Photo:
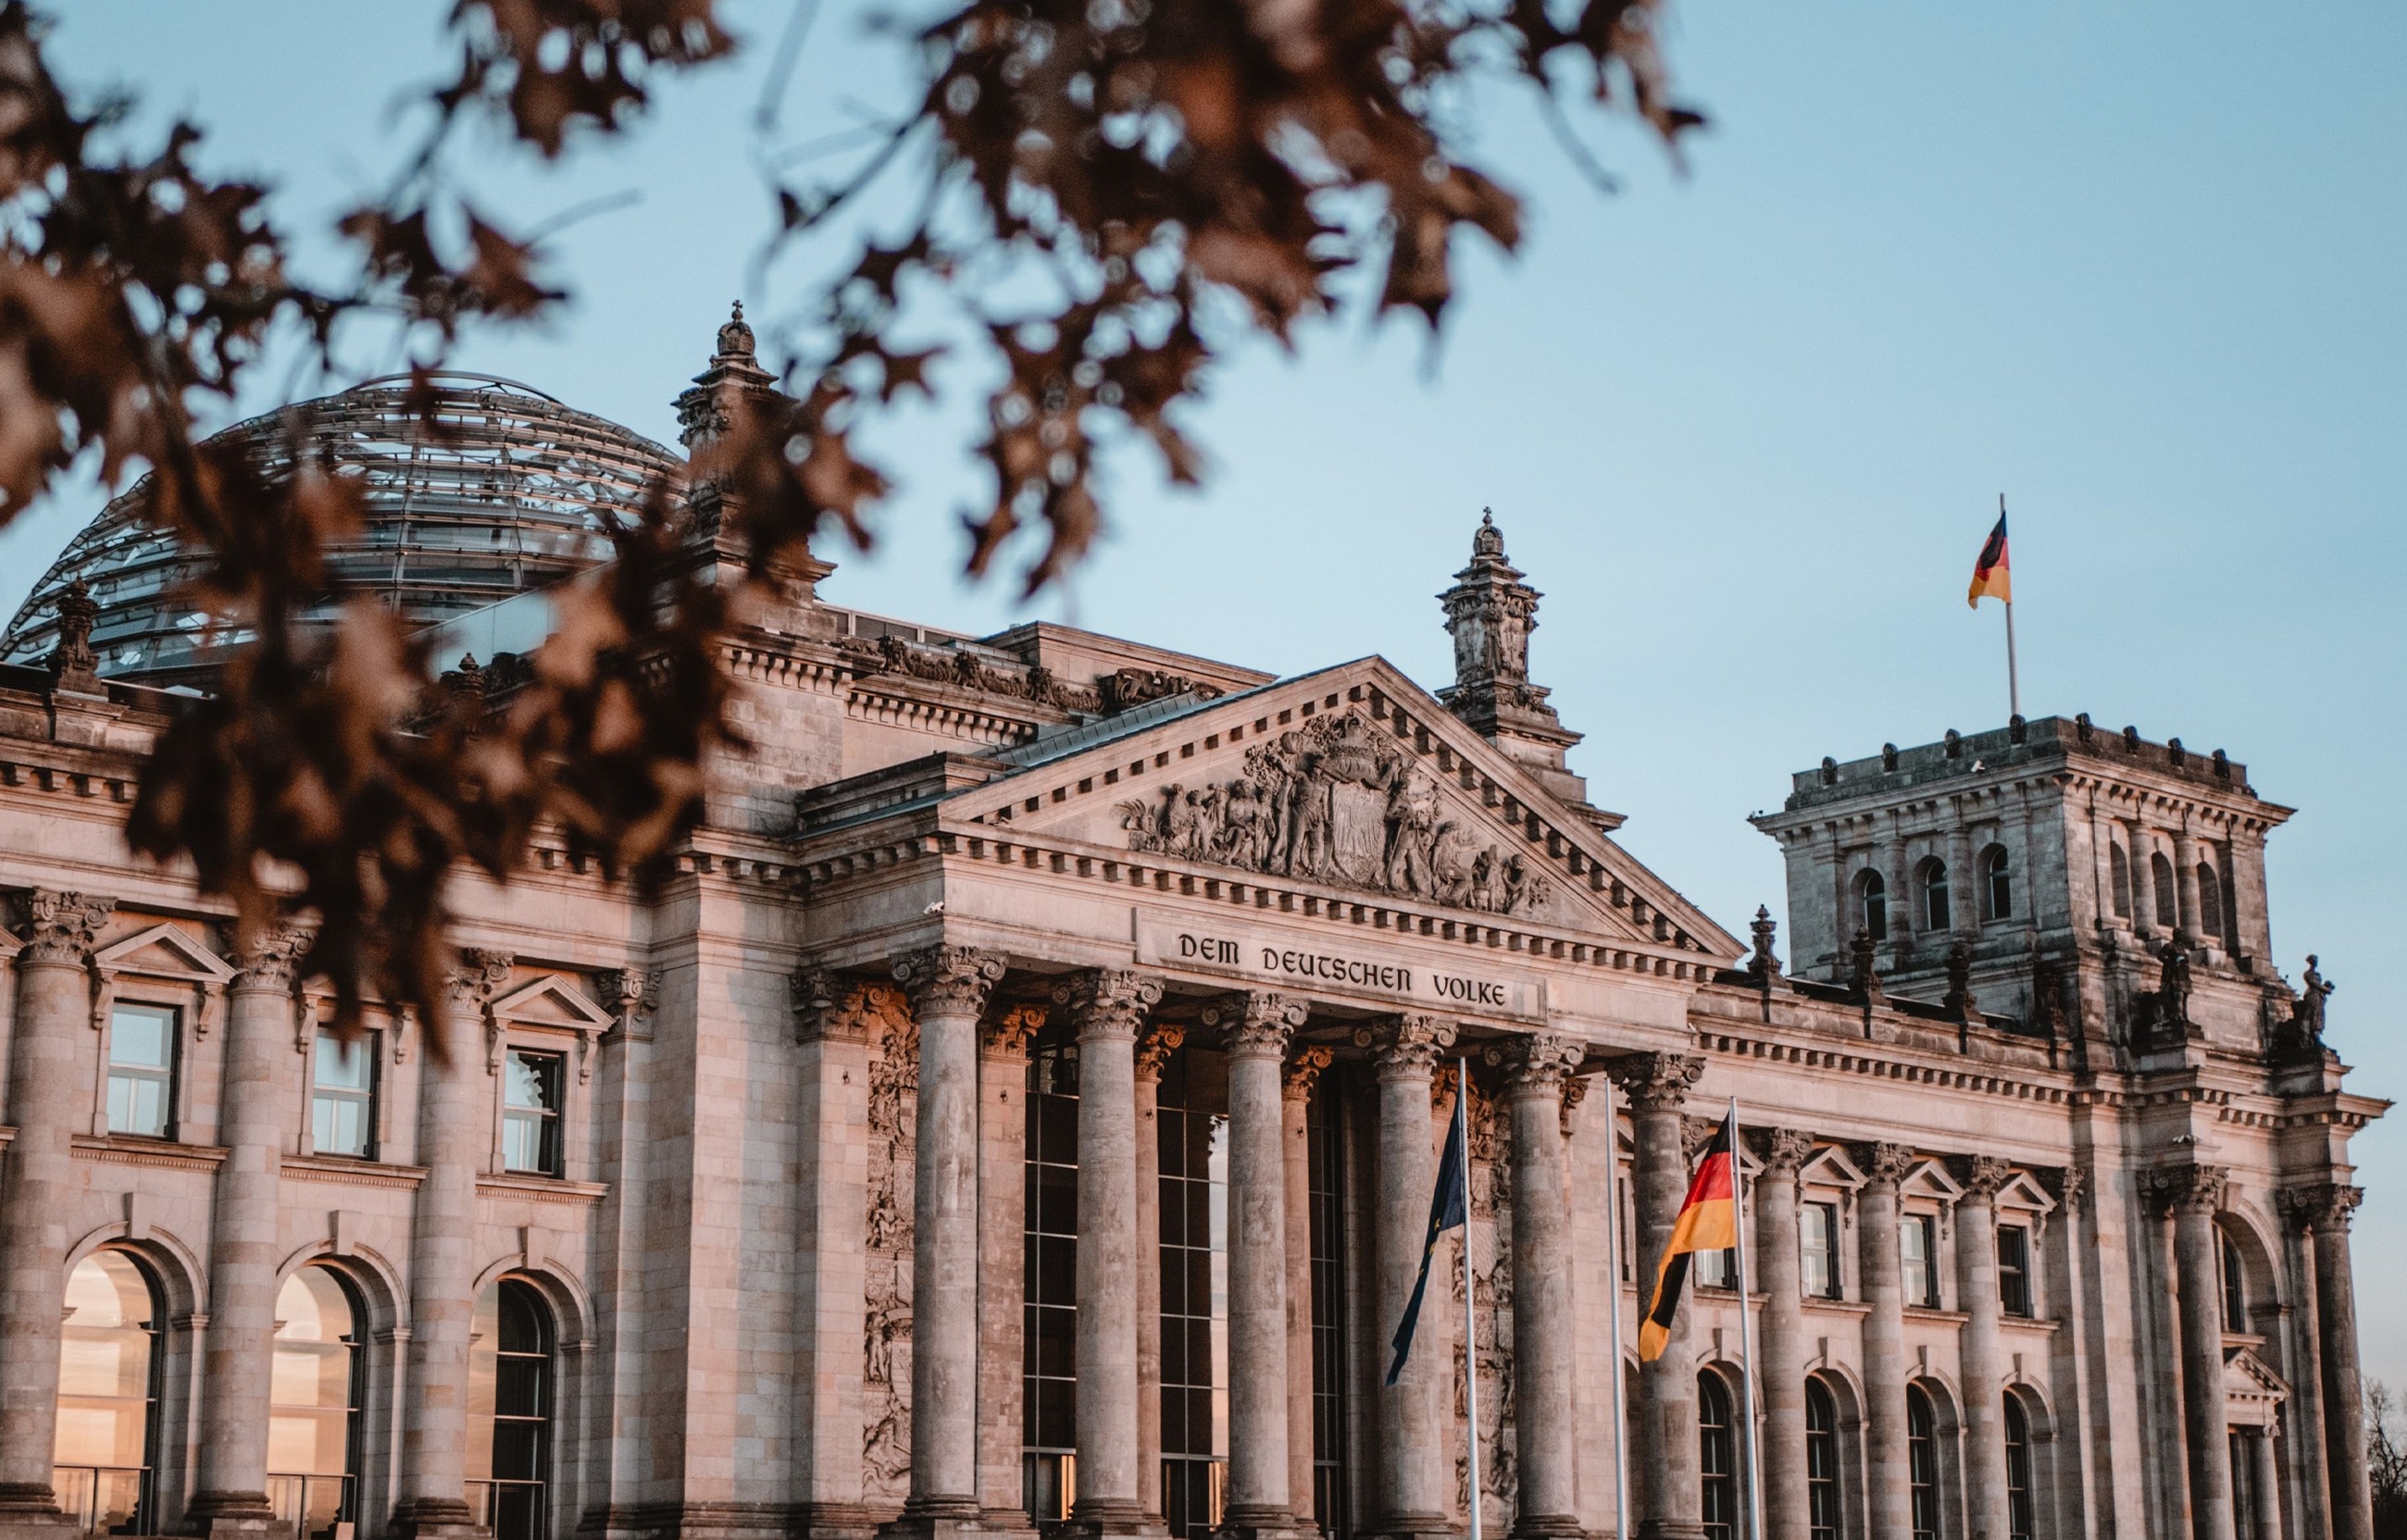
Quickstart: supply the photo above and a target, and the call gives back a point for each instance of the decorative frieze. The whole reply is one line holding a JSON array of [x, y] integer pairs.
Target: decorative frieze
[[1337, 802]]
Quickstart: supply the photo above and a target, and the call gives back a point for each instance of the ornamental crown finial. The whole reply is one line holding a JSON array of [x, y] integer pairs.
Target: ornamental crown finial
[[1489, 540], [735, 338]]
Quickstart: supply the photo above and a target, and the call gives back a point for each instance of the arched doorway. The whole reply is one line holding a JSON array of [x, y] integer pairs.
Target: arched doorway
[[107, 1446], [512, 1381], [313, 1420]]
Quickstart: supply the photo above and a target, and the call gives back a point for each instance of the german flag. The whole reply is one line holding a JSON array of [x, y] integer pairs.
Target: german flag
[[1708, 1221], [1993, 577]]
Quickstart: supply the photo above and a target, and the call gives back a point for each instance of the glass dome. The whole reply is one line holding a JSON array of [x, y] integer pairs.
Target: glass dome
[[506, 493]]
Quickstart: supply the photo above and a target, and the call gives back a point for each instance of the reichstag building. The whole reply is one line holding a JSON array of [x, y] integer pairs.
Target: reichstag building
[[1019, 1112]]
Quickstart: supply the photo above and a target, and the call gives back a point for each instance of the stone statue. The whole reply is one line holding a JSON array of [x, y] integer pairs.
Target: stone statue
[[2172, 988], [2313, 992]]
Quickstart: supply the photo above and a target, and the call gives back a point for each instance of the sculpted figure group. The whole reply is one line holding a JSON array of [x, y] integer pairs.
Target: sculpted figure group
[[1333, 803]]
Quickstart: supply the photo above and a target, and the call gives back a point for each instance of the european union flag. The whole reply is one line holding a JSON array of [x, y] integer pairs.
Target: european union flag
[[1445, 1213]]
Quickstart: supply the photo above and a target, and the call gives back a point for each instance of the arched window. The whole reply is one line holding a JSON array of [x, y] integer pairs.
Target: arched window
[[107, 1446], [1822, 1495], [1717, 1457], [2020, 1511], [1996, 885], [313, 1419], [1934, 895], [1871, 904], [2210, 902], [510, 1387], [1922, 1461], [2168, 895], [2119, 870], [2235, 1287]]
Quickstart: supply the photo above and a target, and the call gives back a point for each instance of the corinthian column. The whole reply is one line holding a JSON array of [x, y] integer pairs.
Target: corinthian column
[[1002, 1240], [1260, 1495], [947, 986], [1295, 1107], [1777, 1270], [2194, 1193], [454, 1135], [263, 1029], [53, 1016], [1546, 1329], [2325, 1212], [1976, 1273], [1890, 1506], [1414, 1460], [1108, 1008], [1665, 1430]]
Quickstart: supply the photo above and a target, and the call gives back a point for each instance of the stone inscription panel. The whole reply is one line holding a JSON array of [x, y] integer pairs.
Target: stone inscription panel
[[1286, 961]]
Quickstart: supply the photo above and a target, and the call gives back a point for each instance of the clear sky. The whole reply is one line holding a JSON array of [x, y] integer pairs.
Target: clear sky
[[2138, 266]]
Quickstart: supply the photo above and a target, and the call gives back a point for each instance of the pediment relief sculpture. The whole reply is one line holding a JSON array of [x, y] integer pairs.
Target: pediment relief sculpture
[[1336, 802]]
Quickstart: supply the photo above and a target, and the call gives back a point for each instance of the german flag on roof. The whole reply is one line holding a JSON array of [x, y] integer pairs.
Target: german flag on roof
[[1708, 1221], [1993, 577]]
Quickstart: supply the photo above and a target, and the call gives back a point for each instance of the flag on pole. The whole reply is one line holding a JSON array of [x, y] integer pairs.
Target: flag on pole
[[1708, 1221], [1993, 577], [1445, 1213]]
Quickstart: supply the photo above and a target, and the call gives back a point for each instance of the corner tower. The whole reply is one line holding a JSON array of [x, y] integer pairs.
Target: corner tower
[[1489, 611], [2079, 880]]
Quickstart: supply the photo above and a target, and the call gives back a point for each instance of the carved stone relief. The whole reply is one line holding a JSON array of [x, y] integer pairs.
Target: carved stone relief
[[893, 1036], [1337, 802], [1489, 1236]]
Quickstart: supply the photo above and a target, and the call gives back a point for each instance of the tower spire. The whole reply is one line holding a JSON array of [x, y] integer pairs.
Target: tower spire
[[1491, 613]]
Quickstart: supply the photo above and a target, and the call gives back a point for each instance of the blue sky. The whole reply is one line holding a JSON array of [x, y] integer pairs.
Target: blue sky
[[2134, 265]]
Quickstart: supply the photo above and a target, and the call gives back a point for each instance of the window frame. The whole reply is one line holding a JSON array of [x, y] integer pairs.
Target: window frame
[[1996, 872], [2118, 880], [2022, 1497], [169, 1078], [2020, 1300], [1938, 898], [1926, 1227], [556, 1117], [1825, 1467], [2210, 908], [369, 1098], [2164, 886], [1717, 1437], [1924, 1469], [1834, 1283], [1872, 903]]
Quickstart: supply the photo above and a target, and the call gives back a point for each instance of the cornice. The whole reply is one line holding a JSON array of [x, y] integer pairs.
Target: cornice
[[1869, 1061], [333, 1171], [159, 1154], [541, 1189]]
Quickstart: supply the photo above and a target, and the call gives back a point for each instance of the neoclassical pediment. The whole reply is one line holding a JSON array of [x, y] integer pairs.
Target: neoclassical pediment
[[2253, 1393], [1930, 1179], [1352, 779], [554, 1002], [2024, 1193], [1830, 1167], [164, 951]]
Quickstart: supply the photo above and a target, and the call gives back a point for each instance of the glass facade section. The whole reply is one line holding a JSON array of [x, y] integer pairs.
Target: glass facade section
[[509, 1411], [1194, 1151], [108, 1443], [313, 1420]]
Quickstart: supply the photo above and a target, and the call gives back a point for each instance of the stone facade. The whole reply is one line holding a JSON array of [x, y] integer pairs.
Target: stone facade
[[1020, 1105]]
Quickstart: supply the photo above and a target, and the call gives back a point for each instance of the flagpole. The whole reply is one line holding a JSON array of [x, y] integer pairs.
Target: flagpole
[[1745, 1336], [1469, 1321], [2014, 685], [1613, 1296]]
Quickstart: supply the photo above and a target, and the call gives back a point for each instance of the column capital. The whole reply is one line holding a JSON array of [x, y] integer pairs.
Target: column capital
[[2196, 1188], [947, 979], [1110, 1002], [1535, 1066], [2325, 1206], [1159, 1041], [1983, 1176], [1886, 1164], [1575, 1092], [1262, 1023], [63, 928], [1304, 1071], [477, 977], [1656, 1082], [272, 959], [1407, 1046], [1008, 1032], [1783, 1152], [2072, 1185], [636, 991]]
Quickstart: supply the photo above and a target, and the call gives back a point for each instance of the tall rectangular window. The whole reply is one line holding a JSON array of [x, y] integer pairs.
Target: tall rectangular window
[[1194, 1147], [531, 1113], [1817, 1250], [1917, 1246], [342, 1095], [2014, 1270], [1049, 1450], [1325, 1136], [141, 1070]]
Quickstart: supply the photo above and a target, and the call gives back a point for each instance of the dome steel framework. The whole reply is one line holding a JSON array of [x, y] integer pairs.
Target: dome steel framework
[[510, 491]]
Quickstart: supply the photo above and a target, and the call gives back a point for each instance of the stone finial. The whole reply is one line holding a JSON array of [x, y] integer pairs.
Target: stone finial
[[1889, 757], [1765, 962], [1955, 744], [705, 408], [948, 980], [1303, 1071], [1656, 1082], [63, 928], [73, 665], [2018, 730], [1960, 998], [1863, 970], [1489, 611], [734, 338]]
